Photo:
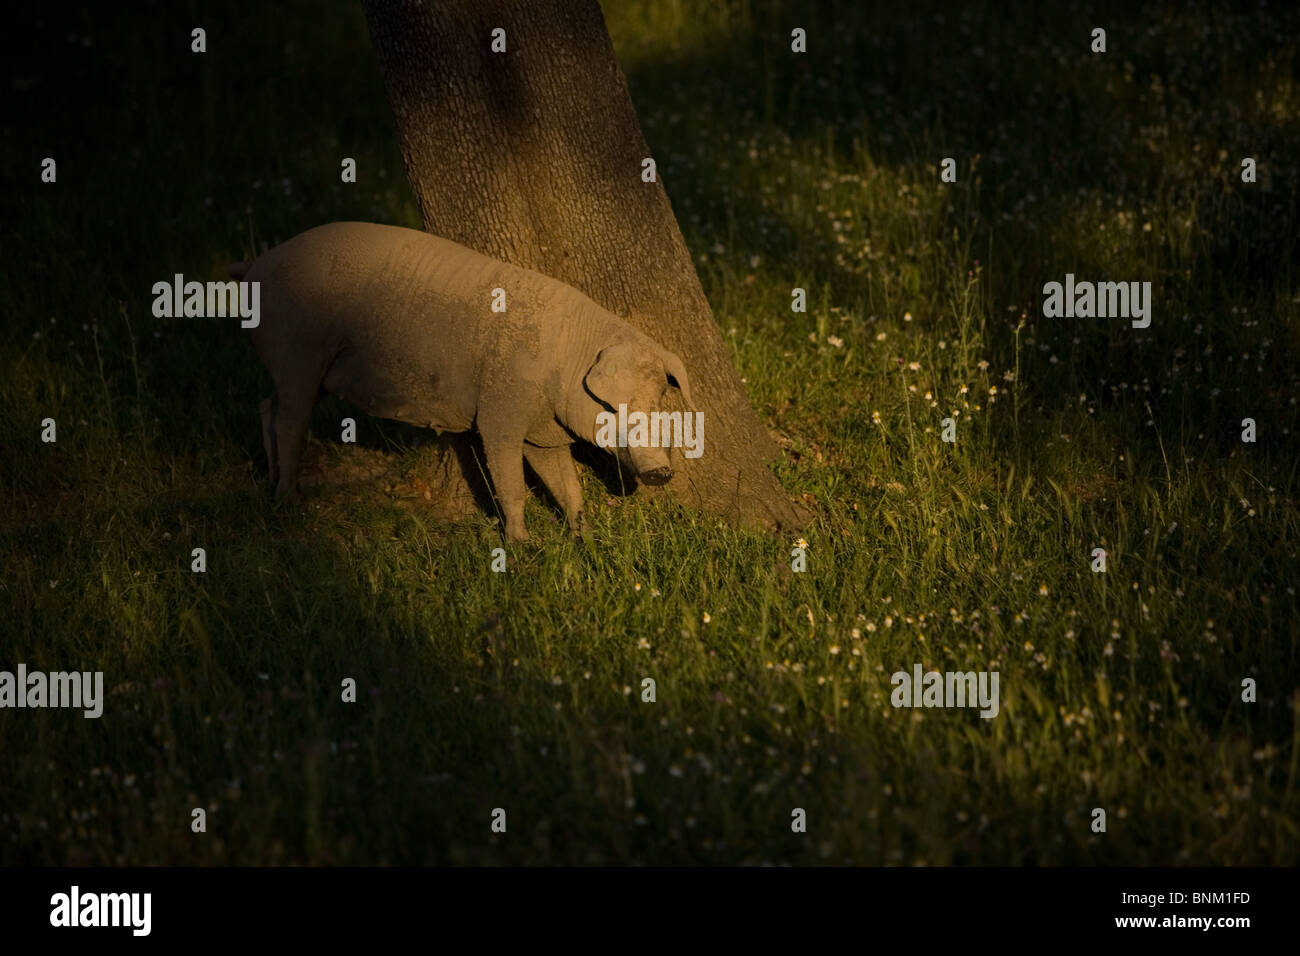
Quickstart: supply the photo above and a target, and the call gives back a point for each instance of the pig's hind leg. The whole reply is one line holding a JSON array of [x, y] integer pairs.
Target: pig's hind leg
[[268, 440], [296, 394]]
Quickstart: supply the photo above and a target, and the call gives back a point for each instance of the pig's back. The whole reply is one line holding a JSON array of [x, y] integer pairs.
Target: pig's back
[[396, 279], [401, 319]]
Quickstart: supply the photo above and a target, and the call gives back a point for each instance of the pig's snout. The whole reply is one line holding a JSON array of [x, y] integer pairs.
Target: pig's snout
[[650, 465], [656, 476]]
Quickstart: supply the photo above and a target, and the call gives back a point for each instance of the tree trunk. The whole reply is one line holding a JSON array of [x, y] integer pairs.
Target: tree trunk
[[534, 156]]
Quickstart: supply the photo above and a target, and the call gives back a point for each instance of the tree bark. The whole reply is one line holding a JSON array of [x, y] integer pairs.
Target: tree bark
[[534, 156]]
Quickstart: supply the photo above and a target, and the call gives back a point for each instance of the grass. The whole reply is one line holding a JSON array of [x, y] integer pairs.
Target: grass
[[523, 690]]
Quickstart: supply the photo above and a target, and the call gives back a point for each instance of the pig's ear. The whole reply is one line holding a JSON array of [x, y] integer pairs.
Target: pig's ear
[[612, 379], [678, 372]]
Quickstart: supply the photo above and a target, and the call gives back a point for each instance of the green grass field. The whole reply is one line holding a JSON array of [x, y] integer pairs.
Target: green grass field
[[522, 691]]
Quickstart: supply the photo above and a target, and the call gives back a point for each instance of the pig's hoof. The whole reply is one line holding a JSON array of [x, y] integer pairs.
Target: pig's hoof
[[656, 476]]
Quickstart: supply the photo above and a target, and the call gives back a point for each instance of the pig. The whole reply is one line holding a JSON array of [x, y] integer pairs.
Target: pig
[[400, 323]]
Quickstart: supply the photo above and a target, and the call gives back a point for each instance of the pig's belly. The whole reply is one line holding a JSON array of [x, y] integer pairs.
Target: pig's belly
[[387, 386]]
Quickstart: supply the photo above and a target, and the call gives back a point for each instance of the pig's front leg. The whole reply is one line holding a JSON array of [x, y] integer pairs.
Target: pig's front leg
[[555, 467], [505, 461]]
